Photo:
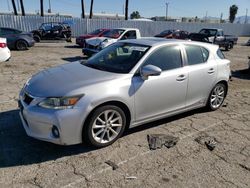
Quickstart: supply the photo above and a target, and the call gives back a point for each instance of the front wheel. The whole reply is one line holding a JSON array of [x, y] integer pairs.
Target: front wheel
[[21, 45], [216, 97], [37, 38], [105, 126]]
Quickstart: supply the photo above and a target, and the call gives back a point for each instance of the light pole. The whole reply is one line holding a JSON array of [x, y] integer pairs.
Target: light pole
[[49, 11], [167, 11], [246, 16]]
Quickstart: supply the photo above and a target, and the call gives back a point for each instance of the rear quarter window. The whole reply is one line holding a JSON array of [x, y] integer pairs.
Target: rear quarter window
[[196, 54], [220, 54]]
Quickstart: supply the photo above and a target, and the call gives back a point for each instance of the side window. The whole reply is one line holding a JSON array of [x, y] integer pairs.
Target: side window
[[129, 35], [219, 33], [166, 58], [194, 55], [56, 27]]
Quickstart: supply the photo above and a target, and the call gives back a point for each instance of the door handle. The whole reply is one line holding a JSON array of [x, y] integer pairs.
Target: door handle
[[181, 77], [211, 71]]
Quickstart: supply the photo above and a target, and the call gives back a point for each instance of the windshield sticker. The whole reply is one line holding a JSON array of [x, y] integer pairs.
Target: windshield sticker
[[138, 48]]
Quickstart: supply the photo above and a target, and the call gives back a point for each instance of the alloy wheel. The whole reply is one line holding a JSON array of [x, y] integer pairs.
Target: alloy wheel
[[217, 96], [107, 126]]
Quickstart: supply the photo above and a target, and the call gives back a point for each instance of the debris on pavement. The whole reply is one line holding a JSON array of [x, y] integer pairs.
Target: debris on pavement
[[225, 105], [131, 177], [208, 141], [112, 164], [156, 141]]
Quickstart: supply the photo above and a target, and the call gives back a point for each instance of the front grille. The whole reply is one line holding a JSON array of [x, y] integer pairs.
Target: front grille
[[27, 99]]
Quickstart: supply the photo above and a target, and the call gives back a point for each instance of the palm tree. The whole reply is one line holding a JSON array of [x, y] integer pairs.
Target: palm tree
[[41, 7], [232, 12], [91, 9], [22, 8], [126, 10], [14, 7], [83, 12]]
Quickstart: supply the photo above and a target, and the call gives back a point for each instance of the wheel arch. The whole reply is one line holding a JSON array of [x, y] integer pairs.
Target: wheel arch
[[225, 83], [117, 103]]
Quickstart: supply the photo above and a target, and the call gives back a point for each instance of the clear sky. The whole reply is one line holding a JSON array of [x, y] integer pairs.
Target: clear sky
[[146, 8]]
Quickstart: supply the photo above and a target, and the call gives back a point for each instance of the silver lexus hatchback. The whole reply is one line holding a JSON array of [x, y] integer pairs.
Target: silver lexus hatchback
[[129, 83]]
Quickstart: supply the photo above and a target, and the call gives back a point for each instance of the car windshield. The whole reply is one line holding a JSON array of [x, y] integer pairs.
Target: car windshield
[[117, 58], [46, 26], [96, 32], [208, 32], [114, 33]]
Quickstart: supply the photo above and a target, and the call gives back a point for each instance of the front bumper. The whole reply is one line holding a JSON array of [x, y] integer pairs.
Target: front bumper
[[38, 122], [31, 43], [89, 52], [80, 42]]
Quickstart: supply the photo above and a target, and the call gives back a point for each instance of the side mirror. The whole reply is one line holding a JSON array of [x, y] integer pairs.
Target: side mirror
[[150, 70]]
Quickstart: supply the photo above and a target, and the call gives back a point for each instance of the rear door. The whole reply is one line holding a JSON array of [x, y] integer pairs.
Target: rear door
[[202, 69]]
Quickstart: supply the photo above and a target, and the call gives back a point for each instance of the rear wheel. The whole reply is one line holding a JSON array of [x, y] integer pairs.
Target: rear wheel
[[105, 126], [21, 45], [216, 97]]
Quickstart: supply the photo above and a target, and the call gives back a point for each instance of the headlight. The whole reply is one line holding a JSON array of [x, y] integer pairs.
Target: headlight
[[60, 102]]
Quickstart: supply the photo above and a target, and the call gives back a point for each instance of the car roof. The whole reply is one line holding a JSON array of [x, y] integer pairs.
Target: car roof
[[212, 28], [154, 41], [125, 28]]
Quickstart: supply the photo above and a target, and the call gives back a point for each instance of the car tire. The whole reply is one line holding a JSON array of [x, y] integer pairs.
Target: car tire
[[231, 45], [227, 47], [216, 97], [104, 126], [37, 38], [21, 45]]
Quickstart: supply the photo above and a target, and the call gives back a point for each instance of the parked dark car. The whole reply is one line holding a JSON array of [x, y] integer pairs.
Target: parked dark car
[[175, 34], [215, 36], [16, 39], [52, 31], [96, 33], [248, 43]]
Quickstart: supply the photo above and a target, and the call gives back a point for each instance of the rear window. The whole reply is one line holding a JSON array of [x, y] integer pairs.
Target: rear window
[[205, 54], [220, 54]]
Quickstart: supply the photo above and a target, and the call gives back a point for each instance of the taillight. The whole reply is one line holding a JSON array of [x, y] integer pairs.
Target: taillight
[[3, 45]]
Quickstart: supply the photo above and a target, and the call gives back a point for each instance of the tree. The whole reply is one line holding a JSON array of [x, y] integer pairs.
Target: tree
[[14, 7], [232, 12], [126, 10], [83, 11], [91, 9], [22, 8], [41, 7], [135, 15]]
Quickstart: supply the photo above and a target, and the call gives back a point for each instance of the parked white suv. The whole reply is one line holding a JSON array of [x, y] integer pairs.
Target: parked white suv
[[4, 50]]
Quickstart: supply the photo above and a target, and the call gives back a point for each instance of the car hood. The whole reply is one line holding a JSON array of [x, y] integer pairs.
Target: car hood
[[97, 40], [64, 80]]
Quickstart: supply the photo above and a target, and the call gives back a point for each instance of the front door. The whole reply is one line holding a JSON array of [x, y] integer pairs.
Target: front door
[[165, 93]]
